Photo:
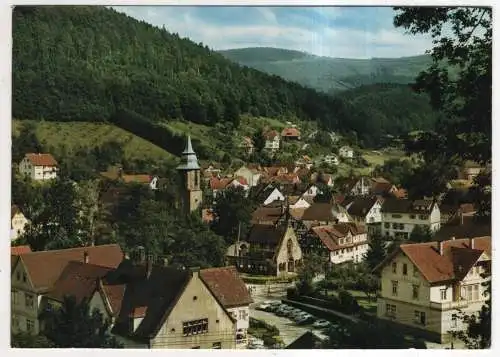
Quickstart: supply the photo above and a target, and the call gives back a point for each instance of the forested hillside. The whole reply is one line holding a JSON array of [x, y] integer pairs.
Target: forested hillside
[[387, 109], [90, 63], [84, 63], [326, 73]]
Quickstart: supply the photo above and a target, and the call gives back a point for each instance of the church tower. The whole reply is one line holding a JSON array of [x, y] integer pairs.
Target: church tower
[[190, 172]]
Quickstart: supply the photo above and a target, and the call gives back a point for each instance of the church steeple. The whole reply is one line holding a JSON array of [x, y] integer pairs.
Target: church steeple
[[190, 171], [189, 159]]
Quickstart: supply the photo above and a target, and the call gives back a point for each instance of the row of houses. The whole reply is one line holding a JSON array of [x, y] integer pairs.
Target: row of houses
[[150, 305]]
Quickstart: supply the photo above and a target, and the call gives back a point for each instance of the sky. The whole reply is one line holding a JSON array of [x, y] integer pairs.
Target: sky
[[347, 32]]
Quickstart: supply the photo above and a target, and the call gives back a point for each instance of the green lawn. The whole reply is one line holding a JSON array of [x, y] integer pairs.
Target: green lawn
[[75, 135]]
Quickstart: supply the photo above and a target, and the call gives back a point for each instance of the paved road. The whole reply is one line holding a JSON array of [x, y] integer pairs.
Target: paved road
[[289, 331]]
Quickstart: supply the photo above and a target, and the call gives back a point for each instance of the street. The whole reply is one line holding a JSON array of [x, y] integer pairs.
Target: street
[[289, 331]]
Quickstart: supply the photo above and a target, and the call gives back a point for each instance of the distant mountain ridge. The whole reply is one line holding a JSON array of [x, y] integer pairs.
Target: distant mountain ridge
[[329, 74]]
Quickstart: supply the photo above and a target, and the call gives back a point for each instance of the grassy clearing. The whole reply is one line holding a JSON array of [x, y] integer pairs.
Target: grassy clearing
[[75, 135], [375, 158]]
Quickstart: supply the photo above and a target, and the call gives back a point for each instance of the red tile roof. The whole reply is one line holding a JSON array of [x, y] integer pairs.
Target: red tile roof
[[290, 132], [139, 178], [54, 261], [41, 159], [242, 181], [455, 262], [79, 280], [227, 286], [219, 184], [329, 235], [269, 135], [20, 249]]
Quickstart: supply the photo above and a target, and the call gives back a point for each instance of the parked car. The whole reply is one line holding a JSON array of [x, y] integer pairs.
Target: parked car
[[292, 312], [283, 310], [262, 307], [301, 316], [322, 324], [255, 343], [305, 320]]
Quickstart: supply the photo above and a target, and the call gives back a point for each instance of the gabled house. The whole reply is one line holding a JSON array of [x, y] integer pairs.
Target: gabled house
[[30, 282], [304, 161], [324, 214], [272, 138], [290, 134], [381, 187], [18, 223], [230, 290], [425, 285], [346, 152], [401, 216], [38, 166], [331, 159], [366, 211], [272, 171], [449, 211], [323, 178], [251, 173], [247, 145], [470, 170], [463, 225], [269, 250], [311, 192], [273, 194], [338, 243], [165, 307], [301, 202], [116, 173]]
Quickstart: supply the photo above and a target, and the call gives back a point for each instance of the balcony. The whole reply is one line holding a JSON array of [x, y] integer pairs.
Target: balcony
[[449, 305]]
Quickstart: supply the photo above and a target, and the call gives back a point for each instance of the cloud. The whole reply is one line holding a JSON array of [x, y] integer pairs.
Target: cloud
[[349, 32]]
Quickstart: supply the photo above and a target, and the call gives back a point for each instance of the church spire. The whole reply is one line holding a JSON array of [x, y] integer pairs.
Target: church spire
[[189, 159]]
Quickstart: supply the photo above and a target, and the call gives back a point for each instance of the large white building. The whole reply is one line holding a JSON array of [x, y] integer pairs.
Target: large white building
[[38, 166], [425, 285], [401, 216]]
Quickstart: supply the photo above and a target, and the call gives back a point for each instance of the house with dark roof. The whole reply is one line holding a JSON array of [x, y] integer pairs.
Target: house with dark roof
[[34, 274], [366, 211], [381, 187], [115, 173], [39, 166], [401, 216], [463, 225], [18, 222], [424, 285], [337, 243], [324, 213], [269, 250], [165, 307]]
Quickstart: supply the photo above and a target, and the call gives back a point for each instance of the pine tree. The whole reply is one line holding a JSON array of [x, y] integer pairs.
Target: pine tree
[[376, 251]]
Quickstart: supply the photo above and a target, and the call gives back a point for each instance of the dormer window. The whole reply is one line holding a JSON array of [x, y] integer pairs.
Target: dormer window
[[394, 267]]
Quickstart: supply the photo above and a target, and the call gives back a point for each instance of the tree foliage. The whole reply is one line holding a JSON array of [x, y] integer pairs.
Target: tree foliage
[[421, 234], [376, 251], [73, 325]]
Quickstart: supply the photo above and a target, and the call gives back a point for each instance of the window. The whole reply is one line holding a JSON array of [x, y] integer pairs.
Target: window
[[24, 277], [243, 315], [412, 216], [395, 226], [387, 225], [390, 310], [415, 272], [18, 276], [415, 292], [443, 294], [29, 301], [195, 327], [13, 297], [30, 325], [405, 269], [216, 345], [423, 217], [394, 267], [475, 292], [394, 288], [396, 216], [419, 317]]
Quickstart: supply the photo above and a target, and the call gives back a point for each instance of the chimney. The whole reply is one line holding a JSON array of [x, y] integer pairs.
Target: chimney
[[85, 257], [441, 246], [471, 245]]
